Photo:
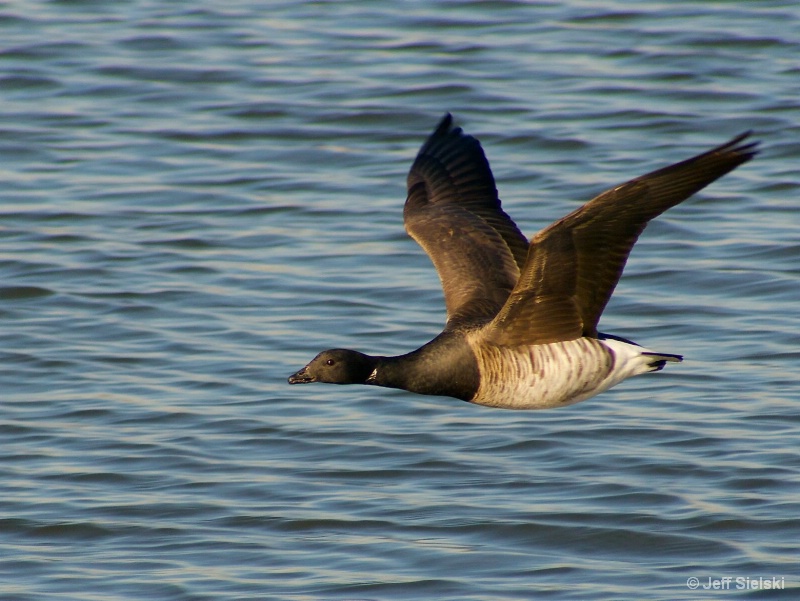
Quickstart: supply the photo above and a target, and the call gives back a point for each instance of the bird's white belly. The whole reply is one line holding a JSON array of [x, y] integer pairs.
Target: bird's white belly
[[555, 374]]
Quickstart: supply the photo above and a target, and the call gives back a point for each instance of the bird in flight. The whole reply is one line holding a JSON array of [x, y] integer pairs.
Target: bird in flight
[[521, 329]]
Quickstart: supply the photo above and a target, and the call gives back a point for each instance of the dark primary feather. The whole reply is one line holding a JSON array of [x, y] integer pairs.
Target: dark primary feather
[[453, 212], [573, 265]]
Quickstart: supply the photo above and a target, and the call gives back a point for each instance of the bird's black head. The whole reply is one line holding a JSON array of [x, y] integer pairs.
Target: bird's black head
[[336, 366]]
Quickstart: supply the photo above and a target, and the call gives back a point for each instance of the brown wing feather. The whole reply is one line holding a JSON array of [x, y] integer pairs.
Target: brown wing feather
[[574, 264], [453, 212]]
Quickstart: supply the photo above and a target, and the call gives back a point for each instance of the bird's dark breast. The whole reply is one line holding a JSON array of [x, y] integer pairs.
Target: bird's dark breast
[[446, 366]]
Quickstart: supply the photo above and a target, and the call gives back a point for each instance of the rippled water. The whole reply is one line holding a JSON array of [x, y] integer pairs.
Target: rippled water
[[200, 196]]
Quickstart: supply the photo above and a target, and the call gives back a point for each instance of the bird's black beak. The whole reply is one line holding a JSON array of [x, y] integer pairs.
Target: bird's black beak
[[301, 377]]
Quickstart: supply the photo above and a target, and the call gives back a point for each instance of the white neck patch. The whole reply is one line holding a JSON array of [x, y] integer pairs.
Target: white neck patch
[[372, 376]]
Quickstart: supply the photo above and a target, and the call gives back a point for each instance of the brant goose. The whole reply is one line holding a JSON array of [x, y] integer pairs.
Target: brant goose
[[521, 329]]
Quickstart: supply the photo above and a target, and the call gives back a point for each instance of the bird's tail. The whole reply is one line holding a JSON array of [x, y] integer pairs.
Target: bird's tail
[[659, 360]]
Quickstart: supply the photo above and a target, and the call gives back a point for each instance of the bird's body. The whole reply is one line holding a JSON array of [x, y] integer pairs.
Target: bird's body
[[559, 373], [521, 329]]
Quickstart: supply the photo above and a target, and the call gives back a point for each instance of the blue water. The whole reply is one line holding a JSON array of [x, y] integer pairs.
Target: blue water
[[198, 197]]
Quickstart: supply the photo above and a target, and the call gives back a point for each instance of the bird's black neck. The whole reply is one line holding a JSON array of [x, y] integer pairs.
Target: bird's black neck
[[445, 366]]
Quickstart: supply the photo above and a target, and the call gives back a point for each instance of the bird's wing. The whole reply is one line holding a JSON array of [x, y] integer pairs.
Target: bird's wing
[[454, 214], [574, 264]]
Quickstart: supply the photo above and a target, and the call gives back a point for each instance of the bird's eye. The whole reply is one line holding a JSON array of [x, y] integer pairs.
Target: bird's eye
[[330, 362]]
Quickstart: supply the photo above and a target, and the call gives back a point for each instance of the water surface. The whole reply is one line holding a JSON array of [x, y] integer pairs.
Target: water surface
[[200, 196]]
